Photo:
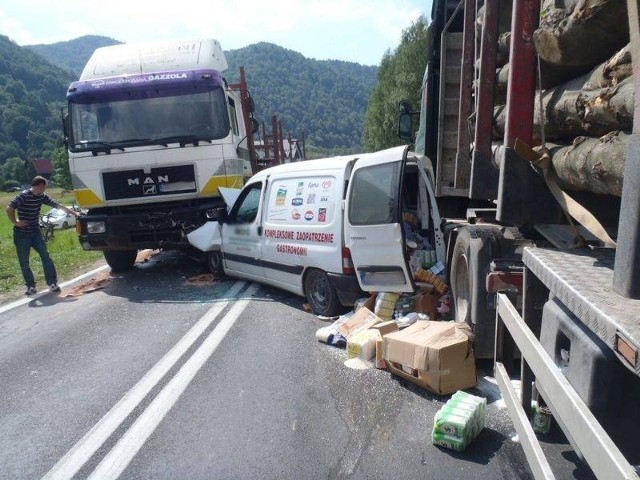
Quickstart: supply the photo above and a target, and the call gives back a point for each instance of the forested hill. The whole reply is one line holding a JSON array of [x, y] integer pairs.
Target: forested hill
[[31, 94], [325, 98], [73, 54]]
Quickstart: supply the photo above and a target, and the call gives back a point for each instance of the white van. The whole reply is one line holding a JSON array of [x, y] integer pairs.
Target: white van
[[328, 229]]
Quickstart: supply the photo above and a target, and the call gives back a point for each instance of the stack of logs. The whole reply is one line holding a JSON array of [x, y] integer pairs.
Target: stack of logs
[[587, 89]]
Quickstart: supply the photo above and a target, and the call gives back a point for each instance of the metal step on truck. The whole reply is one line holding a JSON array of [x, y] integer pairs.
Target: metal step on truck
[[530, 119]]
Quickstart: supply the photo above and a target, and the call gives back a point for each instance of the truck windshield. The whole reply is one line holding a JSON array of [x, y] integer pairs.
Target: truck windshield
[[147, 121]]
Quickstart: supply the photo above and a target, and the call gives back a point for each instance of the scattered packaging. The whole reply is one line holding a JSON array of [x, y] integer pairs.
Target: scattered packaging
[[427, 303], [404, 305], [362, 344], [385, 304], [380, 354], [361, 320], [459, 421], [385, 327], [410, 319], [435, 355], [427, 276]]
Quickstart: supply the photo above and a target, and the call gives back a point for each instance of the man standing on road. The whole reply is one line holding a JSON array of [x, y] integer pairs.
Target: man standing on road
[[27, 235]]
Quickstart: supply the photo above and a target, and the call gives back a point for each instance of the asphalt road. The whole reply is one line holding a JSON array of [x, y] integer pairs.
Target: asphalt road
[[154, 376]]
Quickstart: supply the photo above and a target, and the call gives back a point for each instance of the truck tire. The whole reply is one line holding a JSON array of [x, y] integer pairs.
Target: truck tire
[[321, 294], [120, 260], [214, 262], [474, 249]]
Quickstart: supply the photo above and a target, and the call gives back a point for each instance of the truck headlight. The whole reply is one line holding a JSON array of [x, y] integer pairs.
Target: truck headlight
[[96, 227]]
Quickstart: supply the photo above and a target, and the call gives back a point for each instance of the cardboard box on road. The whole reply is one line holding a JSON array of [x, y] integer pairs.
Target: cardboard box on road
[[434, 355], [361, 320]]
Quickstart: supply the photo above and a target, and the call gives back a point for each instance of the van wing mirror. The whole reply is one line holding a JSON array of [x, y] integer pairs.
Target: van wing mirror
[[222, 215], [254, 125]]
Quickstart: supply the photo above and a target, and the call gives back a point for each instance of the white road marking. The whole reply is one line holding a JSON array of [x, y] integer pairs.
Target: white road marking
[[75, 458], [114, 463]]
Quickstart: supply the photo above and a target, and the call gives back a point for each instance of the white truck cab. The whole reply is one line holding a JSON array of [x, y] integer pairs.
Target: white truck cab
[[328, 229]]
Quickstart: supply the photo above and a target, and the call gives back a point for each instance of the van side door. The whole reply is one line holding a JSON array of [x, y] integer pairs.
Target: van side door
[[372, 222], [242, 234]]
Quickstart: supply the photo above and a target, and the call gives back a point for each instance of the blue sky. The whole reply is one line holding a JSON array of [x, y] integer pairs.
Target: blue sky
[[352, 30]]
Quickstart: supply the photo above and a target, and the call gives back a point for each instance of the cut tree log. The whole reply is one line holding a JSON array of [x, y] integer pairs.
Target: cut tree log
[[593, 31], [571, 111], [592, 164]]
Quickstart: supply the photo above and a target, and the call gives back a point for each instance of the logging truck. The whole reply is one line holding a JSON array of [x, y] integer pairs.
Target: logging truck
[[529, 121], [153, 131]]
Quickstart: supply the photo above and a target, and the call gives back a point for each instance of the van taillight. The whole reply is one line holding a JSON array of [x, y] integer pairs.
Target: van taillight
[[347, 262]]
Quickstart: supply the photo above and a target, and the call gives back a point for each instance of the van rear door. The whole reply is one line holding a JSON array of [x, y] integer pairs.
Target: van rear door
[[372, 222]]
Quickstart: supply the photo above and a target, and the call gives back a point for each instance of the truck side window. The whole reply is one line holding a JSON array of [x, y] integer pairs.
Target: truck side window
[[234, 117], [374, 195], [246, 207]]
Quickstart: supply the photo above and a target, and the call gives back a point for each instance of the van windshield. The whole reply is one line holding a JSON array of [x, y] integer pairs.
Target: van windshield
[[148, 121]]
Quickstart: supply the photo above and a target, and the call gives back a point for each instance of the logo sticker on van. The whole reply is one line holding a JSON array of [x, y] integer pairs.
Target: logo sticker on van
[[299, 188], [308, 215], [324, 198], [322, 215], [311, 198], [326, 185], [281, 197], [295, 214], [296, 202]]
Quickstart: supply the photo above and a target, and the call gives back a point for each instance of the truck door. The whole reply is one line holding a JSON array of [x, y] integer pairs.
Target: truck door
[[372, 222], [242, 234]]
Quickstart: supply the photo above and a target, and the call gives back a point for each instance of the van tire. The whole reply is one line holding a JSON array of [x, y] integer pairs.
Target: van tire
[[321, 294], [214, 262], [474, 249], [120, 260]]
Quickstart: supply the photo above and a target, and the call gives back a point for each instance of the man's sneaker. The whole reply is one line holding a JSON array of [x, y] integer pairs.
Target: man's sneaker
[[54, 287], [31, 291]]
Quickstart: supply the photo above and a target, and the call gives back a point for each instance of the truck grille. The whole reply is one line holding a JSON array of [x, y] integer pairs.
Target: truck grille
[[160, 181]]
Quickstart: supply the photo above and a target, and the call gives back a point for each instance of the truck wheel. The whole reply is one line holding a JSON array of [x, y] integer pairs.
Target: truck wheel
[[321, 294], [65, 225], [474, 249], [214, 262], [120, 260]]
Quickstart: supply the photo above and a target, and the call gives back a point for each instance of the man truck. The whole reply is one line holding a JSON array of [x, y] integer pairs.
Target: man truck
[[530, 119], [153, 131]]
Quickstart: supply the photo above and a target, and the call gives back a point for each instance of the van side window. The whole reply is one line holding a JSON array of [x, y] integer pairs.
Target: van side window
[[374, 195], [246, 207]]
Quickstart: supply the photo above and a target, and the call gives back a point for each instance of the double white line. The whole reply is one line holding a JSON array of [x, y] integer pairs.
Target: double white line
[[114, 463]]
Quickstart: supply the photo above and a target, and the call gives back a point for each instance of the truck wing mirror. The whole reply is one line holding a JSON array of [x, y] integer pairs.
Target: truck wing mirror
[[254, 125], [405, 126]]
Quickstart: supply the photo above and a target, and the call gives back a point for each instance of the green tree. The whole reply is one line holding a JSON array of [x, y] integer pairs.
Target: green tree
[[62, 175], [15, 169], [399, 78]]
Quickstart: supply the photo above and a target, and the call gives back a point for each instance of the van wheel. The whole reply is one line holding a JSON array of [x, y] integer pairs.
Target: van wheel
[[214, 262], [65, 225], [474, 249], [120, 260], [321, 294]]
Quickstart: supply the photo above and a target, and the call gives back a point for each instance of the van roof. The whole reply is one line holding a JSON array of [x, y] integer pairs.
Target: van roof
[[330, 163]]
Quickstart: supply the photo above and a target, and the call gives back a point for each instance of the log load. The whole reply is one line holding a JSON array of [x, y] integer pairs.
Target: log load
[[570, 112], [592, 164], [587, 36]]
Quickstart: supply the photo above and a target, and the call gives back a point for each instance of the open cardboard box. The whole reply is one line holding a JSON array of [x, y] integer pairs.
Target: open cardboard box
[[434, 355]]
